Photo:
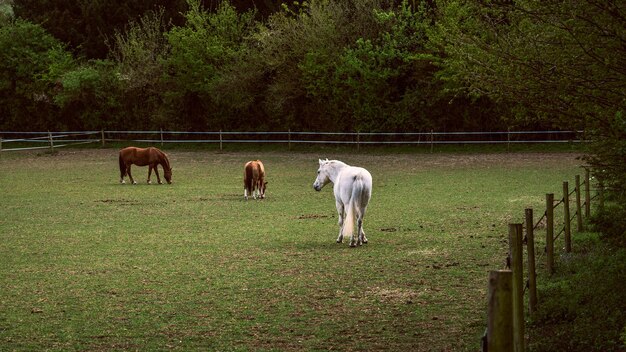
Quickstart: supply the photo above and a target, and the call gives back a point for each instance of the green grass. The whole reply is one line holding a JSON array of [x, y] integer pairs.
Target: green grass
[[89, 264]]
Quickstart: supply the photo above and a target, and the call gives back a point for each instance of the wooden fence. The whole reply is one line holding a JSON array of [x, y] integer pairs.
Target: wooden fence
[[506, 290], [51, 140]]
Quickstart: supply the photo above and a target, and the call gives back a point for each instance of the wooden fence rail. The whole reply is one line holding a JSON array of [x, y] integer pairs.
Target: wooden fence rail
[[507, 287], [289, 137]]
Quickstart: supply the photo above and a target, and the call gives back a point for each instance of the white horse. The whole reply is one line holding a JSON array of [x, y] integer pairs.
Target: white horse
[[353, 188]]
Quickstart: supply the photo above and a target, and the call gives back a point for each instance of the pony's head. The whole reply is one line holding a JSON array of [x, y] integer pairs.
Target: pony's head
[[168, 174], [323, 176], [262, 190]]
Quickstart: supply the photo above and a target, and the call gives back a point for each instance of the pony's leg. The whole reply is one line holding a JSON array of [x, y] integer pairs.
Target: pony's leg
[[245, 193], [132, 181], [149, 173], [340, 212]]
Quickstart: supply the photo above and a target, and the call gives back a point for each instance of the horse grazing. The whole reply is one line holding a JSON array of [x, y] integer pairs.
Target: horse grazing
[[254, 179], [353, 188], [141, 157]]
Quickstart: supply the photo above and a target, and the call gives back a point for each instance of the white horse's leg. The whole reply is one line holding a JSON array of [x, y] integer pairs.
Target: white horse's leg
[[340, 212], [361, 233]]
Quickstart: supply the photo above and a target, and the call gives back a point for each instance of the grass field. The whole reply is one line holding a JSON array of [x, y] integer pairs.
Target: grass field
[[89, 264]]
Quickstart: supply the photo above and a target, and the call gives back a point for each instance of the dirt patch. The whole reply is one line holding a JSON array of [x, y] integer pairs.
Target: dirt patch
[[394, 295], [117, 201], [311, 216]]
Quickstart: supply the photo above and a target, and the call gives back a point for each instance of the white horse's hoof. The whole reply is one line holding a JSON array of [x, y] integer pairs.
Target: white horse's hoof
[[134, 182], [149, 182], [122, 182], [160, 182], [352, 245]]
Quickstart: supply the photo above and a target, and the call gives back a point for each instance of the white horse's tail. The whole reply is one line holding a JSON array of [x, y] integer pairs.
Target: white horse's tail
[[354, 206]]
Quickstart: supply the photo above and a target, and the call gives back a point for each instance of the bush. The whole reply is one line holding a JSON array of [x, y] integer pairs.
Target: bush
[[611, 222], [583, 306]]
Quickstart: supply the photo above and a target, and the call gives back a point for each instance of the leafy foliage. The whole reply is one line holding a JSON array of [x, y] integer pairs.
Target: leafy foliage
[[559, 62], [30, 61]]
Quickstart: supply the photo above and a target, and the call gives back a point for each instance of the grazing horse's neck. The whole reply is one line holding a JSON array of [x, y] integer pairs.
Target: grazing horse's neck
[[163, 160]]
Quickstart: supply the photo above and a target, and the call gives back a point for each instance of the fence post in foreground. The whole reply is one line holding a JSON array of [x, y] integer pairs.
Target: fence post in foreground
[[579, 213], [587, 195], [289, 139], [161, 136], [550, 232], [532, 273], [500, 311], [566, 218], [358, 140], [220, 140], [51, 142], [517, 262], [102, 136]]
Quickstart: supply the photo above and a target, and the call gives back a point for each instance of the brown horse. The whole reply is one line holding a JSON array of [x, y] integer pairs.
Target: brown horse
[[254, 179], [141, 157]]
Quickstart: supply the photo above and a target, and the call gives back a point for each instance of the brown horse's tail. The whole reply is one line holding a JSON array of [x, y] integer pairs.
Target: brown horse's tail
[[122, 167], [248, 179]]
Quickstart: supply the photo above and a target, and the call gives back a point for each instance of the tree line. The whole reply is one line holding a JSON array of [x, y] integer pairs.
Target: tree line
[[353, 65]]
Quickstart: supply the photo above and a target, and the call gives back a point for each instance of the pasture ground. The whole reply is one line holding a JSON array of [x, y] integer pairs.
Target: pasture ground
[[89, 264]]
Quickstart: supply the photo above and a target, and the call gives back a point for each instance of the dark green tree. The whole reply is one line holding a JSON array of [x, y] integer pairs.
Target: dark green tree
[[561, 62], [31, 63], [86, 26]]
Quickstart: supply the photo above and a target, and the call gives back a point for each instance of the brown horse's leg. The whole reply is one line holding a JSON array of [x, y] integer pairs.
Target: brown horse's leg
[[132, 181], [149, 173], [156, 171]]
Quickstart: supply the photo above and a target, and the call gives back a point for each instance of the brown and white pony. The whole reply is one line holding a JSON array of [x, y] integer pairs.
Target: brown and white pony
[[254, 179], [141, 157]]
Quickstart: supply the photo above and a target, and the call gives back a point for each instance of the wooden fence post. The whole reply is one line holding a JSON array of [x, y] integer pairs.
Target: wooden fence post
[[102, 136], [289, 139], [358, 140], [432, 139], [579, 212], [161, 136], [220, 140], [51, 142], [0, 145], [550, 232], [566, 218], [500, 311], [587, 194], [532, 273], [508, 140], [517, 262]]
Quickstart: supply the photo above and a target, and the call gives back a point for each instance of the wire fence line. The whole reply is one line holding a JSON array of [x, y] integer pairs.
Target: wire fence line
[[30, 140], [507, 288]]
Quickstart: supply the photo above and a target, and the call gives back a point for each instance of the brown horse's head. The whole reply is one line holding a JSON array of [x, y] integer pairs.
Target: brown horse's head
[[262, 190], [168, 174]]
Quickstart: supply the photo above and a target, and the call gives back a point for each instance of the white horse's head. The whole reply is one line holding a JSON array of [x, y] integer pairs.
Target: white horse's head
[[323, 175]]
